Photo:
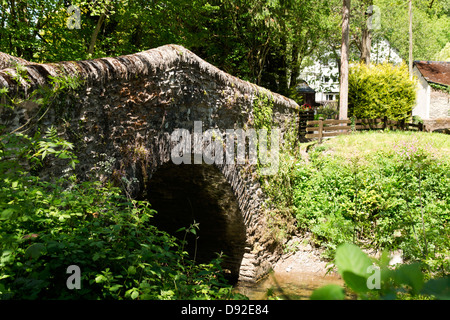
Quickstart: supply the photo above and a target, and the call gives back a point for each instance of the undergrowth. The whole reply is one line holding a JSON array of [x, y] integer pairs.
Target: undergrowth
[[381, 191]]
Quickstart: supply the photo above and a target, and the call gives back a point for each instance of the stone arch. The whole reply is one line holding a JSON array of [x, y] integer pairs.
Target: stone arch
[[238, 233], [184, 194], [121, 118]]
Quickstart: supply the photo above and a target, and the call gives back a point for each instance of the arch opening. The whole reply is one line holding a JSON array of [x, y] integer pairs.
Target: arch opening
[[182, 194]]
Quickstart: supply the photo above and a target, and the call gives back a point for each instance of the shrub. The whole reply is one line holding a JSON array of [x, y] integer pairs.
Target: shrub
[[392, 196], [374, 279], [377, 91]]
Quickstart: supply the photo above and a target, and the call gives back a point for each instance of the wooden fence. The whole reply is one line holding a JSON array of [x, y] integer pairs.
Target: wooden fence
[[304, 117], [330, 128]]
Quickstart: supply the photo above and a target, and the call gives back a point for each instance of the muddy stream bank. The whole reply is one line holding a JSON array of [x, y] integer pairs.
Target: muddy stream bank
[[297, 273]]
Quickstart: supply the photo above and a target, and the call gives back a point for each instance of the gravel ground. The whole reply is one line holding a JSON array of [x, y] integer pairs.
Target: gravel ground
[[303, 258]]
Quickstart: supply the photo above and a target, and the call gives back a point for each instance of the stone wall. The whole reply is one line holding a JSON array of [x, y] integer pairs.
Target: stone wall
[[121, 118], [8, 61]]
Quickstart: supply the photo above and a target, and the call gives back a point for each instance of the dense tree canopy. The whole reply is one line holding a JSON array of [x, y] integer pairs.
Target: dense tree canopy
[[431, 26], [263, 41]]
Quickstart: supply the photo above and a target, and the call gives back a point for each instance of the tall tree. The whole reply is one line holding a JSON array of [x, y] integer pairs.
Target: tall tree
[[410, 58], [430, 26], [366, 34], [343, 90]]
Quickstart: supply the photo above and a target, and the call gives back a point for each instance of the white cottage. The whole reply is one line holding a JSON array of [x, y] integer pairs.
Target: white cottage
[[323, 74], [432, 103]]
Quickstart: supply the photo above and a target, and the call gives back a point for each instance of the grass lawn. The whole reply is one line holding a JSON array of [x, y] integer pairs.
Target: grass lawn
[[384, 189], [368, 143]]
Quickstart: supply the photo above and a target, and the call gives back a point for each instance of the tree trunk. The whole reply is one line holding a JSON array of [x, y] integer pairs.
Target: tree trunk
[[410, 41], [366, 46], [343, 91], [95, 34], [295, 68], [366, 34]]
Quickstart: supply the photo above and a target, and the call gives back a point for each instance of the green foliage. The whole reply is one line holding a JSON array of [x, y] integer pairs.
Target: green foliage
[[328, 111], [442, 88], [263, 111], [277, 185], [260, 41], [328, 292], [444, 54], [431, 23], [394, 197], [48, 226], [371, 278], [381, 90]]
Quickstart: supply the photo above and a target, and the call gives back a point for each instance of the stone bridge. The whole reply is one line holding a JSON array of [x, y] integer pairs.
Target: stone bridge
[[121, 121]]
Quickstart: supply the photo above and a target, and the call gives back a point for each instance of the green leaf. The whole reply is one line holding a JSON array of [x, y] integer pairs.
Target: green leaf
[[411, 275], [96, 256], [350, 258], [131, 270], [328, 292], [7, 255], [355, 282], [439, 288], [34, 251], [100, 279], [7, 214], [116, 287], [134, 294]]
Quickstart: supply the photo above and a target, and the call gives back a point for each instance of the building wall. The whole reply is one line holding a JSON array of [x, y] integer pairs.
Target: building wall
[[439, 104], [422, 108]]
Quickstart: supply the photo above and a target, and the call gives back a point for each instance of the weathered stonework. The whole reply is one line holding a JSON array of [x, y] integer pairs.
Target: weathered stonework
[[8, 61], [120, 122]]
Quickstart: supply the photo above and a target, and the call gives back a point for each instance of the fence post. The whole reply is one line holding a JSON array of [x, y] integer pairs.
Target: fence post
[[420, 126], [384, 122], [320, 129]]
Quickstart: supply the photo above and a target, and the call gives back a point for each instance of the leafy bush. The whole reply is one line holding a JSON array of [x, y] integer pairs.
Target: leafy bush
[[48, 226], [390, 198], [371, 278], [327, 111], [377, 91]]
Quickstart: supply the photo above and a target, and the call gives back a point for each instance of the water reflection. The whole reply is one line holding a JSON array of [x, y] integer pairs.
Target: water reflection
[[294, 285]]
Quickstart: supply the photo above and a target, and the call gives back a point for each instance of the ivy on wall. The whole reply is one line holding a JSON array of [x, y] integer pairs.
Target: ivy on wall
[[263, 111]]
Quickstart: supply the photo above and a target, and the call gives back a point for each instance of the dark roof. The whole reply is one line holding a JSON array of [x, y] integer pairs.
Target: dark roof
[[304, 88], [435, 71]]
